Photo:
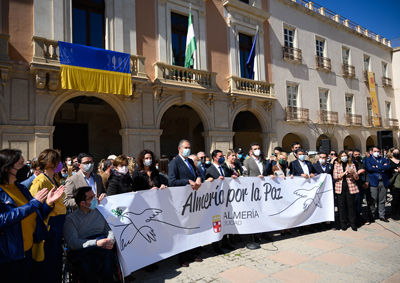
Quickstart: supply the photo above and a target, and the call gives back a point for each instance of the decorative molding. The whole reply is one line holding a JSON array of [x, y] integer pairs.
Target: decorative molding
[[158, 93], [54, 81], [268, 105], [40, 81], [233, 102], [209, 99], [4, 76]]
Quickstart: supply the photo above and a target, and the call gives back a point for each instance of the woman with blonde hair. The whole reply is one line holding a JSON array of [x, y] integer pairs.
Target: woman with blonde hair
[[48, 255], [231, 163], [345, 175], [279, 169]]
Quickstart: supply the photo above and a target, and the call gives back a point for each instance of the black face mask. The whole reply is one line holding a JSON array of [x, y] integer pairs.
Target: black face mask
[[22, 173], [358, 158], [396, 155]]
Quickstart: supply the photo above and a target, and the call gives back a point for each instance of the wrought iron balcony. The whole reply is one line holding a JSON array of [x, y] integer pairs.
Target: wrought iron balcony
[[353, 119], [323, 64], [348, 71], [370, 122], [327, 117], [297, 114], [366, 76], [391, 123], [292, 54], [242, 86], [386, 82]]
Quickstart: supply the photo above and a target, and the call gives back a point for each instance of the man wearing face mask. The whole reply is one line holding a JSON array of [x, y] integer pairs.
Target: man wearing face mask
[[84, 177], [255, 166], [322, 166], [89, 239], [301, 167], [201, 164], [293, 156], [376, 165]]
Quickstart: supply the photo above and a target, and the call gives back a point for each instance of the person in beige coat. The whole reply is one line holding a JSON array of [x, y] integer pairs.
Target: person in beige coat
[[83, 178]]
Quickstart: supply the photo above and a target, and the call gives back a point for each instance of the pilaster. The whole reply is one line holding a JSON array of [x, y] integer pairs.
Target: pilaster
[[135, 140], [218, 140]]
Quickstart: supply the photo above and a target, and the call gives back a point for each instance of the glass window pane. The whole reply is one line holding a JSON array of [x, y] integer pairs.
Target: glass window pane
[[79, 26], [96, 30]]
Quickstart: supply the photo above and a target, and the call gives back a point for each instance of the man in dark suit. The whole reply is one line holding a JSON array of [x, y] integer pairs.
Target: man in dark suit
[[201, 166], [255, 166], [322, 166], [217, 171], [182, 172], [376, 165], [301, 166]]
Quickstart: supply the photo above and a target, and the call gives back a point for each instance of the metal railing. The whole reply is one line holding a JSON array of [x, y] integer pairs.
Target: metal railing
[[292, 53], [391, 123], [387, 81], [250, 86], [348, 71], [366, 76], [353, 119], [370, 122], [296, 114], [323, 63], [181, 75], [328, 117]]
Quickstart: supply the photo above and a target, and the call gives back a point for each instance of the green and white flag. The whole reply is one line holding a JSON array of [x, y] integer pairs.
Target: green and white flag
[[190, 43]]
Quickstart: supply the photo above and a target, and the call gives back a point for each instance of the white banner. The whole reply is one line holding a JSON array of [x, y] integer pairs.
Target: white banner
[[153, 225]]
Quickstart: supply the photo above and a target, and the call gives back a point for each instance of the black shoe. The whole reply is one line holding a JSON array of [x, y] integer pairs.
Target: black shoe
[[218, 250], [354, 229], [228, 247], [383, 219], [266, 237]]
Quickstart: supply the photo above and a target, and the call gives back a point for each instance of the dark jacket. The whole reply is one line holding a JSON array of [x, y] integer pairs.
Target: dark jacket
[[297, 170], [377, 168], [179, 173], [11, 241], [141, 180], [213, 172], [318, 168], [119, 184]]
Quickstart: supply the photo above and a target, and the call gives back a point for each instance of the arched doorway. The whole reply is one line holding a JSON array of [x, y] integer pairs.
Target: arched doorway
[[334, 143], [348, 143], [370, 142], [247, 130], [290, 138], [178, 123], [87, 124]]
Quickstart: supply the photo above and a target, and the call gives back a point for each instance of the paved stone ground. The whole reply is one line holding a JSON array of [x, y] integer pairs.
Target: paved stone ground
[[370, 255]]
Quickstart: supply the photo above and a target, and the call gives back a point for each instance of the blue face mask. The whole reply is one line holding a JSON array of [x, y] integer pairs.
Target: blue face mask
[[221, 160], [186, 152], [198, 163], [65, 176], [302, 157], [240, 156], [73, 173], [93, 204]]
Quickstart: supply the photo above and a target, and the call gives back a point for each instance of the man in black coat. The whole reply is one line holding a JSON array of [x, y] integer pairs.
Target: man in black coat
[[322, 166]]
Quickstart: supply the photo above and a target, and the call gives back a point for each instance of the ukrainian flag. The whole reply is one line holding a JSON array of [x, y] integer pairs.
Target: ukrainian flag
[[94, 69]]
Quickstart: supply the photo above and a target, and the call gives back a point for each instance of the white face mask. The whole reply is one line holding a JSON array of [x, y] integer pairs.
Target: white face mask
[[257, 152], [376, 154], [123, 170], [148, 162], [322, 161], [69, 163]]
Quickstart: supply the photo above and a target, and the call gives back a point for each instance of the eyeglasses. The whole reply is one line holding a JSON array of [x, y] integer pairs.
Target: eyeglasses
[[90, 199], [87, 162]]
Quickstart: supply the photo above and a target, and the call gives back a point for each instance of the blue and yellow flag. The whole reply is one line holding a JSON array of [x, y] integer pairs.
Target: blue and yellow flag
[[94, 69]]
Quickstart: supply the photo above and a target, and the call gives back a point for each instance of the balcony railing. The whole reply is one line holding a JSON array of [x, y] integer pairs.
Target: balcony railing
[[323, 63], [292, 54], [370, 122], [387, 82], [366, 76], [296, 114], [353, 119], [348, 71], [391, 123], [181, 76], [250, 87], [45, 51], [327, 117]]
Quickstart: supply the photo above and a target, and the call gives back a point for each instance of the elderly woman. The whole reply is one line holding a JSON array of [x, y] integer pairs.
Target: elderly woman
[[21, 219], [48, 255], [345, 175], [146, 176], [120, 180]]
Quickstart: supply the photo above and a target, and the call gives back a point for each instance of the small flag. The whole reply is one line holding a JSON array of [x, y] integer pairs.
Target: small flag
[[190, 42], [94, 69], [250, 60]]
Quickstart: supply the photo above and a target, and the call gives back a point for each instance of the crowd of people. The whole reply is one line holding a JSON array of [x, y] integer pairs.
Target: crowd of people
[[46, 202]]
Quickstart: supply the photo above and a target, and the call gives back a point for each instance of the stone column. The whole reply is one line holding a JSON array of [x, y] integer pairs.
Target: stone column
[[218, 140], [43, 138], [135, 140], [269, 142]]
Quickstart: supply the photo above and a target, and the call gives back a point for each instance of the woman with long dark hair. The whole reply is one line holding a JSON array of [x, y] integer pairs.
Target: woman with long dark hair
[[345, 175], [21, 218], [48, 255]]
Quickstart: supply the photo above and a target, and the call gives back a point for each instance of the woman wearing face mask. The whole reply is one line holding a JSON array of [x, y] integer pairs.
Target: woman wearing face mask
[[279, 169], [345, 175], [394, 162], [21, 219], [146, 176], [120, 180], [47, 266]]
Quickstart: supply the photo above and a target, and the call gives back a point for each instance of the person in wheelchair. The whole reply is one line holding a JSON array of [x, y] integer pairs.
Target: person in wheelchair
[[89, 239]]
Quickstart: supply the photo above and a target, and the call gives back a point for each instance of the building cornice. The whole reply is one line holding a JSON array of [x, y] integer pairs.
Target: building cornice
[[236, 6]]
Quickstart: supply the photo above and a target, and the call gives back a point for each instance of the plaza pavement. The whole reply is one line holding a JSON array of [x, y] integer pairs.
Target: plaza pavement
[[370, 255]]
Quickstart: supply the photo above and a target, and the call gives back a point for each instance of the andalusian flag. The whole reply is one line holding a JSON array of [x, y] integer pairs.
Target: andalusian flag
[[94, 69], [190, 43]]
